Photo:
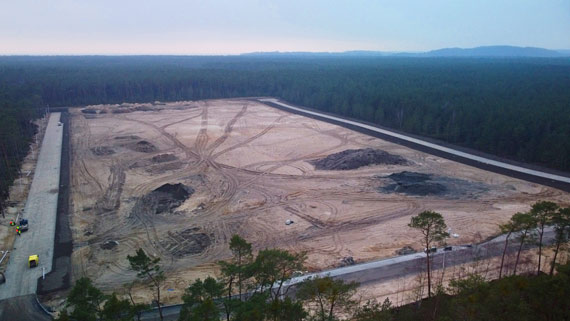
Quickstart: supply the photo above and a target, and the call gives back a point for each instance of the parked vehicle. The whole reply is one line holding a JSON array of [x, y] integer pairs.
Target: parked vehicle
[[23, 224]]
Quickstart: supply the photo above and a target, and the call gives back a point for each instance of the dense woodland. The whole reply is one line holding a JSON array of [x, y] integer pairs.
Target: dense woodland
[[514, 108]]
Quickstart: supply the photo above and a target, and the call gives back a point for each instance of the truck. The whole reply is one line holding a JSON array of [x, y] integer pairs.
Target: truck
[[23, 224]]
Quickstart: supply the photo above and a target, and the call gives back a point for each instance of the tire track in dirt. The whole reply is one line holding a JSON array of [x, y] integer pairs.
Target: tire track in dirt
[[202, 138], [227, 131], [111, 200], [187, 151], [251, 139], [343, 140], [82, 146], [180, 121], [282, 163]]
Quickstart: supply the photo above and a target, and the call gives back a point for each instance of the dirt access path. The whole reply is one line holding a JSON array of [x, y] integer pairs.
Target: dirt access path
[[249, 167]]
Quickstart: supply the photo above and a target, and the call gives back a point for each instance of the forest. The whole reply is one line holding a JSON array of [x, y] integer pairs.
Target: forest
[[513, 108]]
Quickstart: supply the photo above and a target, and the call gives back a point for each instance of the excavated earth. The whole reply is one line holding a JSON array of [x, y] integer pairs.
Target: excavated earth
[[356, 158], [184, 177], [164, 199], [420, 184]]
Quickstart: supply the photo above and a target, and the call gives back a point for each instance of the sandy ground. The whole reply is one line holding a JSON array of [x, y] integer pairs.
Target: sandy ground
[[248, 164]]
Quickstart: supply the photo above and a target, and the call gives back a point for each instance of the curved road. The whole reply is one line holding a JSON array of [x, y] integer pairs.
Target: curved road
[[563, 181]]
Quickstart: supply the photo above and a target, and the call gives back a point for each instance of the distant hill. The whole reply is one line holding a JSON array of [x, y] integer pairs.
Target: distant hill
[[494, 51], [484, 51]]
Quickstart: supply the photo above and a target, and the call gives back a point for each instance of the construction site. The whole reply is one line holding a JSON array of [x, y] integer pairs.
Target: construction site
[[179, 179]]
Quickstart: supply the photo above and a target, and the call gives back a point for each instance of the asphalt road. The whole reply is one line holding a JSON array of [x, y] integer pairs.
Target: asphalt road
[[562, 182], [392, 268], [40, 210]]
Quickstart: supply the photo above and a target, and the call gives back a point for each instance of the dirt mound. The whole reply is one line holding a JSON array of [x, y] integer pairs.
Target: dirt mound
[[405, 250], [102, 151], [163, 158], [128, 137], [356, 158], [415, 184], [420, 184], [186, 242], [109, 245], [146, 108], [163, 168], [163, 199], [89, 111], [143, 147], [159, 159], [122, 111]]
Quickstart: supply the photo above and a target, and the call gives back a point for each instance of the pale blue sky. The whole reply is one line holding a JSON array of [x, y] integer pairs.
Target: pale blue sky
[[236, 26]]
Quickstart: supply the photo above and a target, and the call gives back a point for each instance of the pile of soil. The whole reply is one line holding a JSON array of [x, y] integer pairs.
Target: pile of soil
[[346, 261], [146, 108], [158, 159], [128, 137], [102, 151], [420, 184], [109, 245], [163, 199], [412, 183], [356, 158], [144, 147], [121, 111], [160, 169], [405, 250], [163, 158], [89, 111]]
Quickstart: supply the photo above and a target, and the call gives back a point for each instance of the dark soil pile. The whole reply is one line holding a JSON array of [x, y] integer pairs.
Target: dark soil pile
[[356, 158], [121, 111], [128, 137], [415, 184], [420, 184], [163, 168], [89, 111], [163, 158], [146, 108], [144, 147], [158, 159], [163, 199], [109, 245], [102, 151]]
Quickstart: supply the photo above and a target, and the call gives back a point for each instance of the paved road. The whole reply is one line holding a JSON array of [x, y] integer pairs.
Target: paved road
[[40, 210], [447, 150], [392, 268], [22, 308]]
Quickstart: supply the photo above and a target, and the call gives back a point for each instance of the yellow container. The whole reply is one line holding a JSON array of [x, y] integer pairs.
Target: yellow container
[[33, 261]]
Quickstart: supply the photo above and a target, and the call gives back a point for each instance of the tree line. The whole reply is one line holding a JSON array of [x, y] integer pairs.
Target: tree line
[[255, 287], [513, 108]]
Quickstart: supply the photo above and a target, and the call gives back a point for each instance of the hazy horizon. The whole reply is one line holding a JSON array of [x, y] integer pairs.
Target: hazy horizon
[[177, 27]]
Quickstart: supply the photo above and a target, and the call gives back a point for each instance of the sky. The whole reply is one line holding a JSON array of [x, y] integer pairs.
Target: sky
[[185, 27]]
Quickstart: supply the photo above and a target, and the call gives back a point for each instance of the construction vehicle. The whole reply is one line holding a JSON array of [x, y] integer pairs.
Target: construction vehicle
[[33, 261], [23, 224]]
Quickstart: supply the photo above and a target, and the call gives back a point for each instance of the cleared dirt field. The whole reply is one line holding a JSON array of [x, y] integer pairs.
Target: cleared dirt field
[[246, 168]]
